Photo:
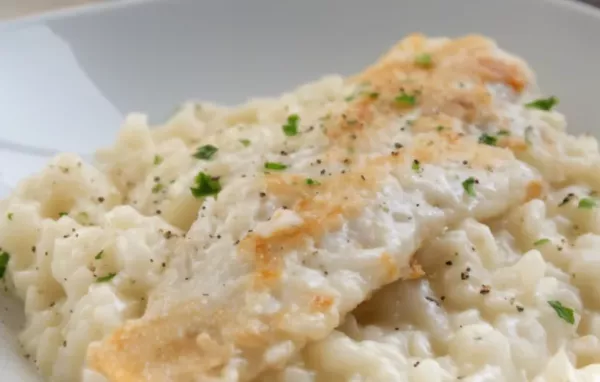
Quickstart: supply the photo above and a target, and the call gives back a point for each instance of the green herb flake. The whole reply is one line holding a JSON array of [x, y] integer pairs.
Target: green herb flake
[[373, 95], [245, 142], [406, 99], [61, 214], [587, 203], [291, 127], [158, 160], [205, 152], [487, 139], [9, 216], [469, 186], [416, 166], [205, 185], [563, 312], [99, 255], [503, 133], [424, 60], [275, 166], [312, 182], [106, 278], [349, 98], [157, 188], [4, 258], [539, 242], [545, 104], [440, 128]]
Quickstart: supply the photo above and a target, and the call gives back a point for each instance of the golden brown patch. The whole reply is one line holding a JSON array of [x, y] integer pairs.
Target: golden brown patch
[[321, 303], [265, 276], [130, 354], [390, 266], [322, 208], [515, 144], [453, 89], [535, 190], [454, 86], [416, 271], [494, 70]]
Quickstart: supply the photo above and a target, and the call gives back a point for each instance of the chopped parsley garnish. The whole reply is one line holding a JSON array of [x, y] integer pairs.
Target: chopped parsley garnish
[[424, 60], [205, 152], [503, 132], [158, 160], [4, 258], [312, 182], [416, 166], [541, 242], [205, 185], [405, 99], [275, 166], [545, 104], [61, 214], [469, 186], [440, 128], [99, 255], [9, 216], [245, 142], [373, 95], [587, 203], [106, 278], [562, 311], [487, 139], [349, 98], [157, 188], [291, 127]]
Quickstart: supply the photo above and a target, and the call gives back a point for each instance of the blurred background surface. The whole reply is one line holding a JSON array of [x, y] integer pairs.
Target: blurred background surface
[[10, 9]]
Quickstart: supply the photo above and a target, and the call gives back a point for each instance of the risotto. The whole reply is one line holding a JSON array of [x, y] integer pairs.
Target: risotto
[[428, 219]]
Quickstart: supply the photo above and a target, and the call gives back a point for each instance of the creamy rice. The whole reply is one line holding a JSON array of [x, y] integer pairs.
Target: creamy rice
[[418, 222]]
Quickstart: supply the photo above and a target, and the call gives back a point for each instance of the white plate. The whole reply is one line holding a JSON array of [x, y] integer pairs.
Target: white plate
[[67, 79]]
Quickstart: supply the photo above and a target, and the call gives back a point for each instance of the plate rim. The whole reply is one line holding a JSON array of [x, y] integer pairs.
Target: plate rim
[[114, 5], [105, 6]]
